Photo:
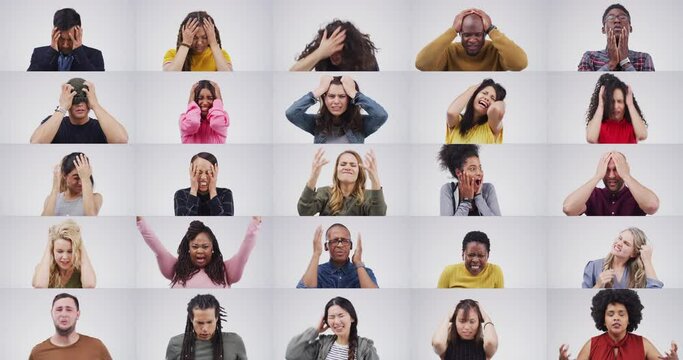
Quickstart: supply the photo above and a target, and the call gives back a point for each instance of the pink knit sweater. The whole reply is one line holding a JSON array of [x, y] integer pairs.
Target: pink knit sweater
[[213, 130]]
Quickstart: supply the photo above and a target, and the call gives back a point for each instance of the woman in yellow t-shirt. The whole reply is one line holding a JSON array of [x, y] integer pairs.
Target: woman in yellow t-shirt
[[198, 47], [482, 121]]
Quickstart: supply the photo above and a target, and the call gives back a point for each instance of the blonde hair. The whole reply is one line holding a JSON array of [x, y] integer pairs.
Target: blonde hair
[[337, 198], [69, 231], [635, 265]]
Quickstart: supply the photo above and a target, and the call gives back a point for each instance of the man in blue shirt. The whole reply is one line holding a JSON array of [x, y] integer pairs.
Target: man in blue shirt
[[340, 271]]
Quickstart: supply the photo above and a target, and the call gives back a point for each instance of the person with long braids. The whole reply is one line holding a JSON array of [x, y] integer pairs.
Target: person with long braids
[[205, 121], [204, 338], [340, 317], [482, 120], [467, 333], [347, 195], [613, 116], [200, 263], [628, 264], [65, 263], [72, 189], [339, 46], [618, 313], [339, 119], [198, 47]]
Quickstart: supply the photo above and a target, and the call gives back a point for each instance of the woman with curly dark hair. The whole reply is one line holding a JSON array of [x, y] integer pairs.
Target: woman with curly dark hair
[[340, 317], [339, 46], [467, 333], [339, 119], [618, 312], [200, 263], [470, 196], [613, 116], [482, 120], [198, 46]]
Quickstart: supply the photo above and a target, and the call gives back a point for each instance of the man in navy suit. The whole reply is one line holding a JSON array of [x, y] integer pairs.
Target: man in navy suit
[[66, 51]]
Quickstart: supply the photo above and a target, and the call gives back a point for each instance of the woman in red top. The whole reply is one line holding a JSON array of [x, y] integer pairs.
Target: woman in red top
[[613, 116], [618, 312]]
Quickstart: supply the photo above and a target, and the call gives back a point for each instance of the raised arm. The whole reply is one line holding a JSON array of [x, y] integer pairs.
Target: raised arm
[[165, 260], [51, 200], [91, 201], [309, 201], [456, 107], [113, 130], [328, 46], [434, 56], [647, 200], [495, 113], [88, 278], [310, 277], [639, 127], [222, 64], [234, 267], [364, 277], [650, 273], [305, 346], [188, 32], [41, 275], [47, 130], [593, 126], [96, 63], [575, 203], [489, 333], [440, 337], [217, 116]]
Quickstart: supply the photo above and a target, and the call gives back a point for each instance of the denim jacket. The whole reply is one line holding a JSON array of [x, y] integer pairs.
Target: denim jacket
[[376, 117]]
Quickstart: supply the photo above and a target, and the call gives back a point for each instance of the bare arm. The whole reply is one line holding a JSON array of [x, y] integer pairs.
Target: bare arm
[[91, 201], [46, 131], [188, 32], [41, 275], [113, 130], [575, 203], [646, 198], [328, 46], [458, 105], [585, 352], [495, 113], [51, 200], [490, 335], [593, 126], [88, 278], [222, 64], [639, 127], [440, 337]]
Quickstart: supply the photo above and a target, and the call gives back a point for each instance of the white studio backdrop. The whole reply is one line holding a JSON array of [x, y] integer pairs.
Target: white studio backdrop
[[516, 171], [388, 23], [518, 246], [245, 29], [107, 314], [108, 26], [386, 247], [162, 314], [574, 28], [246, 99], [525, 104], [39, 96], [383, 316], [292, 168], [518, 20], [229, 232], [572, 242], [164, 169], [572, 324], [519, 315], [389, 89], [657, 167], [572, 96], [113, 169], [108, 241]]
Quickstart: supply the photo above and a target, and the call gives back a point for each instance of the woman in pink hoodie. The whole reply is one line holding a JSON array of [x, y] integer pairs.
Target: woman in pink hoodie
[[205, 121]]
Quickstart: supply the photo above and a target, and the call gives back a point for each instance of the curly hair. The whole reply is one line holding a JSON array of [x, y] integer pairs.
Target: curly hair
[[203, 302], [184, 269], [626, 297], [200, 16], [465, 305], [635, 265], [70, 231], [351, 119], [454, 157], [476, 236], [358, 53], [68, 166], [611, 83], [337, 196], [353, 333], [468, 121]]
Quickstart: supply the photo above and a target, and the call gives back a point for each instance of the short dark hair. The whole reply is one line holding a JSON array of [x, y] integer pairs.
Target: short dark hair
[[615, 6], [476, 236], [453, 157], [334, 226], [626, 297], [63, 296], [66, 18], [206, 156]]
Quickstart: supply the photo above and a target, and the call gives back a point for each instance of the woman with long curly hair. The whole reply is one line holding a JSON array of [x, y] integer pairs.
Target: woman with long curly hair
[[347, 194], [339, 119], [205, 121], [198, 46], [65, 263], [340, 317], [628, 264], [200, 263], [467, 333], [482, 120], [613, 116], [72, 189], [339, 46]]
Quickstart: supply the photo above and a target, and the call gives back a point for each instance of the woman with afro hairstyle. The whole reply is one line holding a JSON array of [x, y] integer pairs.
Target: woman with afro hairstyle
[[198, 46], [467, 333], [470, 196], [339, 46], [482, 120], [628, 264], [340, 318], [339, 119], [613, 116], [618, 312], [200, 263]]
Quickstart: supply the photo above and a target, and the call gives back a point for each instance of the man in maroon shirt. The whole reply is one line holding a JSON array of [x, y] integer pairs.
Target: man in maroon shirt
[[622, 195]]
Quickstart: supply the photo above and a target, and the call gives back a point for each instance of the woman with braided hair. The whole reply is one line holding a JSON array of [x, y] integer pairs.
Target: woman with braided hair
[[340, 317], [203, 338], [198, 47], [628, 264], [199, 263]]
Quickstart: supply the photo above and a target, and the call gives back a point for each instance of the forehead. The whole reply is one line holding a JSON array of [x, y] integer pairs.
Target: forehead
[[626, 235], [611, 164], [472, 160], [472, 23], [67, 301], [203, 314], [337, 232], [201, 239], [336, 89], [204, 92], [617, 93], [489, 89], [336, 310], [616, 307], [616, 12], [200, 32], [475, 247], [470, 314], [348, 157], [62, 243], [202, 164]]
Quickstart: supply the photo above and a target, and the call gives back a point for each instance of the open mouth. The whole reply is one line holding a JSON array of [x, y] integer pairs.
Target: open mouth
[[483, 103]]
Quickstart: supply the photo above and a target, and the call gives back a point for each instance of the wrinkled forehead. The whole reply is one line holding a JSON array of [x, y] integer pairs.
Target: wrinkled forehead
[[63, 302], [348, 158], [64, 34], [202, 164], [472, 23]]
